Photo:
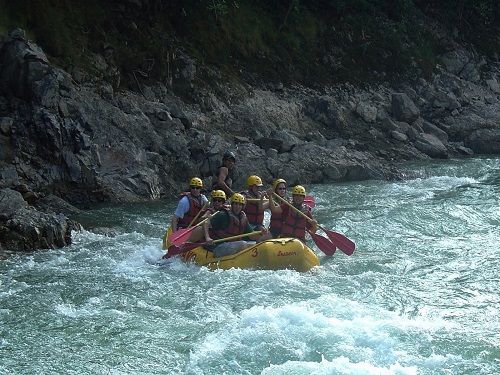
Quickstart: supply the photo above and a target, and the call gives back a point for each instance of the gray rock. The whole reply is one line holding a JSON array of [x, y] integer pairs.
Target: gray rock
[[484, 141], [403, 108], [433, 129], [6, 125], [399, 136], [431, 145], [367, 112]]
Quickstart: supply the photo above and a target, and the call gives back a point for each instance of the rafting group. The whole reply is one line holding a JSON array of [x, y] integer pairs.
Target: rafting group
[[229, 231]]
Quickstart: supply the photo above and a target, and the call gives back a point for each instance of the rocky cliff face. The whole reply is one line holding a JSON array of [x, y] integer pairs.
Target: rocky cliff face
[[73, 139]]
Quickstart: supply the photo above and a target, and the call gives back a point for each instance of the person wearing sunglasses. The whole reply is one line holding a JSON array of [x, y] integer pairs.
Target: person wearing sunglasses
[[255, 204], [218, 202], [190, 204], [276, 222]]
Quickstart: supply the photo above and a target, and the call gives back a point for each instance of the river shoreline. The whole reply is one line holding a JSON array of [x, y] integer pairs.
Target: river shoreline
[[68, 142]]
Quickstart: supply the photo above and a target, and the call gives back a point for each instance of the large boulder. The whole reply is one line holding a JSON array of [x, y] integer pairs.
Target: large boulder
[[22, 228], [403, 108], [430, 145], [484, 141]]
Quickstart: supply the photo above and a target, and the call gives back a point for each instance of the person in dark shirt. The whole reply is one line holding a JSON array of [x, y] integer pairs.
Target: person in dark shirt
[[223, 179], [230, 222]]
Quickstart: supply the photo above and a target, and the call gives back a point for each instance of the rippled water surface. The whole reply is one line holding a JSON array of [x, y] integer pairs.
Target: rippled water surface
[[419, 296]]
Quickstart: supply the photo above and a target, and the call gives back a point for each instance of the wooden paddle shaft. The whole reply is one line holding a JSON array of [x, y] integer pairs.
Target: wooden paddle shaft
[[198, 214], [293, 207], [236, 237]]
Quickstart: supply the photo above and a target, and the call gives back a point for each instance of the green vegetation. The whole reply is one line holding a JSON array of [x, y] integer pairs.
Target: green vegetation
[[312, 41]]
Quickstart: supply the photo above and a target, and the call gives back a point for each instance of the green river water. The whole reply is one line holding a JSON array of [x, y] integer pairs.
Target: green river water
[[421, 294]]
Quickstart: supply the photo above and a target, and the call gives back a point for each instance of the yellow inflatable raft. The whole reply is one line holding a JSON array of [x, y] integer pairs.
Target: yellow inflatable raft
[[275, 254]]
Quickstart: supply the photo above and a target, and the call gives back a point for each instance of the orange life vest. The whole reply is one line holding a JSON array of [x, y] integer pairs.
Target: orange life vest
[[195, 206], [294, 224], [254, 215]]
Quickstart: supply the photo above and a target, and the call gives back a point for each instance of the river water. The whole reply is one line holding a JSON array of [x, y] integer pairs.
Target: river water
[[421, 294]]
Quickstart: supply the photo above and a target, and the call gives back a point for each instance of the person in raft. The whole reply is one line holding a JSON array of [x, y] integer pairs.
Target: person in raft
[[230, 222], [217, 202], [223, 179], [276, 222], [294, 224], [255, 205], [190, 204]]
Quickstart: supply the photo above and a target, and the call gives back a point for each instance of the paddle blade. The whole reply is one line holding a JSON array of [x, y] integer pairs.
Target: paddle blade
[[310, 201], [323, 244], [341, 241], [176, 250], [180, 236]]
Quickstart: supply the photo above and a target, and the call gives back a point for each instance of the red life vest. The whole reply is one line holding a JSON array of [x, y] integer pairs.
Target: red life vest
[[254, 215], [211, 209], [294, 224], [195, 206], [276, 223], [237, 225]]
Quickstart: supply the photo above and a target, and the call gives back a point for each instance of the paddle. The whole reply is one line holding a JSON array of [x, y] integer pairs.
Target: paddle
[[323, 243], [308, 200], [181, 235], [339, 240], [198, 214], [175, 250]]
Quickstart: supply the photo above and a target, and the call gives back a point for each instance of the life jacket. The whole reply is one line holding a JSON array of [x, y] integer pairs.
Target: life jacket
[[275, 224], [237, 225], [254, 215], [195, 206], [228, 180], [211, 209], [294, 224]]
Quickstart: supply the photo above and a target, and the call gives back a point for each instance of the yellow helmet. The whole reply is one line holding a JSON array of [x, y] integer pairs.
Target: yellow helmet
[[238, 198], [277, 182], [196, 182], [299, 190], [218, 194], [254, 180]]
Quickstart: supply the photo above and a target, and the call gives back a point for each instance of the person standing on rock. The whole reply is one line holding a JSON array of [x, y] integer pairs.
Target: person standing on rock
[[189, 206], [223, 179], [294, 224], [276, 222]]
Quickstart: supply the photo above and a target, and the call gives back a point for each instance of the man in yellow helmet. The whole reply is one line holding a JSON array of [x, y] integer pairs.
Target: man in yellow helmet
[[189, 205], [230, 222], [255, 205], [294, 224], [217, 201], [276, 222]]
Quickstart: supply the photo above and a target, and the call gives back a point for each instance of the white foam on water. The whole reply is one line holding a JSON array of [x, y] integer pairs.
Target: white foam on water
[[368, 338], [72, 311], [341, 365]]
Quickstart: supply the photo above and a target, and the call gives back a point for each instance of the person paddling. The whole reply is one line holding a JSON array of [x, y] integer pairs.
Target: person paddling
[[255, 205], [276, 221], [217, 202], [189, 205], [230, 222], [294, 224], [223, 179]]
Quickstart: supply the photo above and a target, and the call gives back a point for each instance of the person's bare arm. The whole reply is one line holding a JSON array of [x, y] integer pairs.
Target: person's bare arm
[[223, 172], [275, 209]]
